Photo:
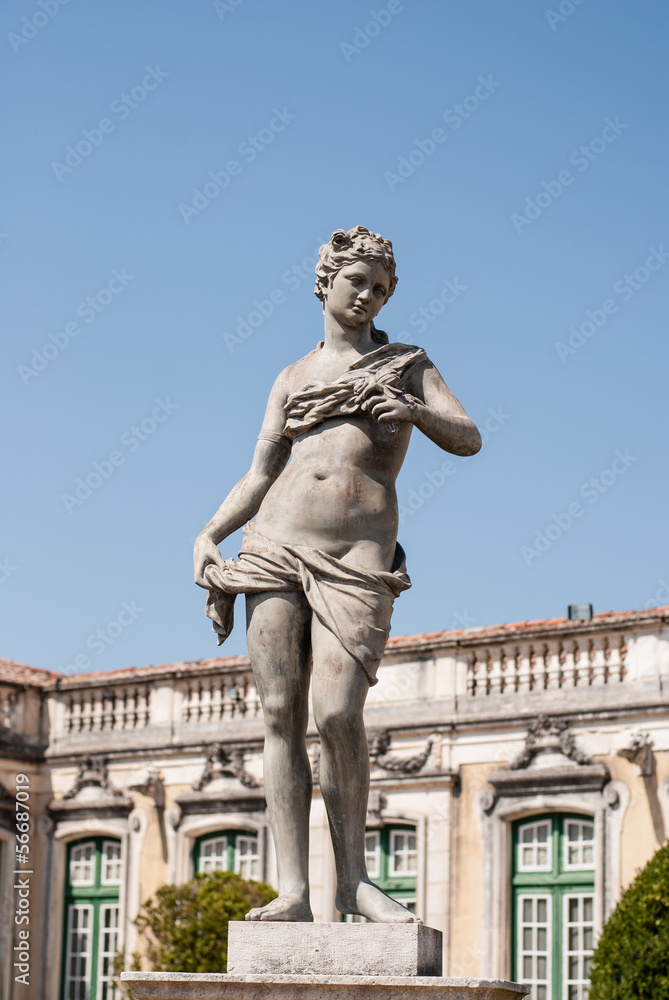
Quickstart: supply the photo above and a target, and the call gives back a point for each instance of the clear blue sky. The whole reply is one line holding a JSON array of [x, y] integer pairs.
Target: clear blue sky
[[321, 109]]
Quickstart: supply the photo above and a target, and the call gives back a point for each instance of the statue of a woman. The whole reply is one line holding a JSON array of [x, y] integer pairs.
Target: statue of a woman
[[320, 564]]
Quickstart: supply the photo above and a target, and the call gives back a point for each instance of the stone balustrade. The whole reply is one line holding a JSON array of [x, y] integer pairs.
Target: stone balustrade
[[551, 665], [107, 709], [220, 698]]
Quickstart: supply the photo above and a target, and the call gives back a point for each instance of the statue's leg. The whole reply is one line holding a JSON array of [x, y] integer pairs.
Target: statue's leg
[[340, 687], [278, 637]]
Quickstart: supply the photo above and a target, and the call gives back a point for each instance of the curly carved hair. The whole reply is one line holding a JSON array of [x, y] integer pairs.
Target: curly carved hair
[[345, 248]]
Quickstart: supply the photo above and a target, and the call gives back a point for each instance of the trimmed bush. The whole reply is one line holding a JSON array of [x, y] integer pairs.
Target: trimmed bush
[[186, 926], [631, 961]]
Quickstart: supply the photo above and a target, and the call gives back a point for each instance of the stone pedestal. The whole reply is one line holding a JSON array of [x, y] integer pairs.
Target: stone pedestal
[[304, 961], [299, 949], [222, 986]]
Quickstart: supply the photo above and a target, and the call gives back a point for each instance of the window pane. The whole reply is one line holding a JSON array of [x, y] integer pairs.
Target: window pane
[[578, 932], [111, 862], [373, 853], [534, 852], [533, 935], [247, 861], [78, 951], [107, 944], [82, 864], [578, 844], [214, 855], [403, 853]]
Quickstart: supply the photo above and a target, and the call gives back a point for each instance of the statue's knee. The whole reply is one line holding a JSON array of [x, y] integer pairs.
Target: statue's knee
[[279, 716], [338, 725]]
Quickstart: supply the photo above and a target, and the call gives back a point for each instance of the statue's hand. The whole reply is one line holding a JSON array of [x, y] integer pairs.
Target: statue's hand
[[388, 405], [204, 553]]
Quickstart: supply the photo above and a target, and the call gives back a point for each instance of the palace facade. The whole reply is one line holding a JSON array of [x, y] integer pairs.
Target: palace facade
[[520, 778]]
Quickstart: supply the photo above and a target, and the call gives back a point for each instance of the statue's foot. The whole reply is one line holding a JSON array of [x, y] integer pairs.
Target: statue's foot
[[290, 906], [367, 900]]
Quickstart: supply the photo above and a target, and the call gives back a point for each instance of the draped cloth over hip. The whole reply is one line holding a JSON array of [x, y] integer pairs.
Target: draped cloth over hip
[[354, 604]]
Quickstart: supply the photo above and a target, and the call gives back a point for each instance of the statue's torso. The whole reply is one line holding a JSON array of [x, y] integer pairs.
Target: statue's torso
[[338, 491]]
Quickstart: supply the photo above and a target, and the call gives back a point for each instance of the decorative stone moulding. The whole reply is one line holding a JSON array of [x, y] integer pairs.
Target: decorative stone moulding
[[91, 794]]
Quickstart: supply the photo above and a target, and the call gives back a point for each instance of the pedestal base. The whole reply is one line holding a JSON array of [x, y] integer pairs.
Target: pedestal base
[[222, 986], [306, 949]]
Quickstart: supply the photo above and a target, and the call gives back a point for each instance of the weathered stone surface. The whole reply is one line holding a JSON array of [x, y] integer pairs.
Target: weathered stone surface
[[220, 986], [287, 948]]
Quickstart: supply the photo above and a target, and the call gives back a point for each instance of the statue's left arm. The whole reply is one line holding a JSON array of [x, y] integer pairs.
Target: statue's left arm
[[430, 405]]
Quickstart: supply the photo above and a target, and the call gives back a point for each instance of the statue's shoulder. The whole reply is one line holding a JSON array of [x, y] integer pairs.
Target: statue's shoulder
[[295, 372]]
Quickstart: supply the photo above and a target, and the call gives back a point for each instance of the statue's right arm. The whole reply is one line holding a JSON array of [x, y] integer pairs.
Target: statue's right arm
[[243, 501]]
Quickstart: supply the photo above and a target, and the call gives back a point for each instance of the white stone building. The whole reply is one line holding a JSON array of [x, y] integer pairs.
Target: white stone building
[[520, 777]]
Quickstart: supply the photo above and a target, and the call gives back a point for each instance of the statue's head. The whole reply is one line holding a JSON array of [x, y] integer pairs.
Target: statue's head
[[346, 248]]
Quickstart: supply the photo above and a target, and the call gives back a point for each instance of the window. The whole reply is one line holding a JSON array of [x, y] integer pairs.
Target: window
[[391, 854], [553, 903], [579, 845], [82, 864], [373, 853], [228, 851], [93, 878], [534, 849], [403, 853]]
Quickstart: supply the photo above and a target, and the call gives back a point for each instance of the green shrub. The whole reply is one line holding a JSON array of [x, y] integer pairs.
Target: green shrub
[[631, 961], [186, 926]]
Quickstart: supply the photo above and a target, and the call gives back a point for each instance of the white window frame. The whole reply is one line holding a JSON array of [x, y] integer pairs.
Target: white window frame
[[534, 981], [534, 844], [87, 955], [253, 857], [75, 861], [213, 840], [107, 981], [580, 843], [409, 872], [373, 855], [106, 863], [581, 952]]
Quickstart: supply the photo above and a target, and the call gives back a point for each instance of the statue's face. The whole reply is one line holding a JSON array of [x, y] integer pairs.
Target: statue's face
[[357, 293]]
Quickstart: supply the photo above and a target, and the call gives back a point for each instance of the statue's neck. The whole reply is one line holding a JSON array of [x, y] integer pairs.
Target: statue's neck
[[340, 339]]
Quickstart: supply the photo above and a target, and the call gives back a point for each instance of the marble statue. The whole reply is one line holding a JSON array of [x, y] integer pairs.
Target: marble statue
[[320, 565]]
